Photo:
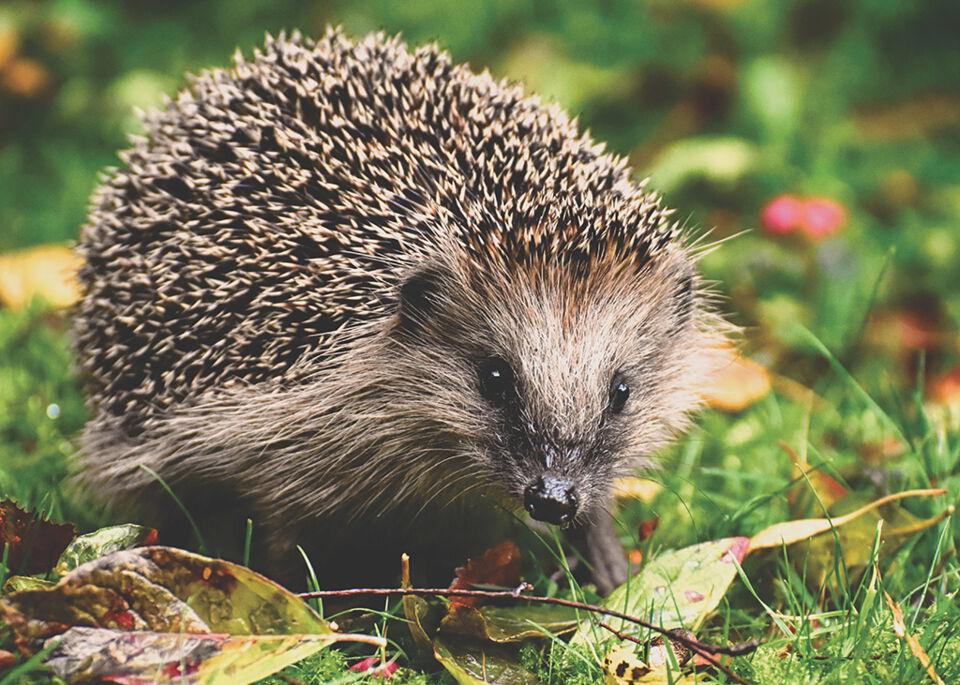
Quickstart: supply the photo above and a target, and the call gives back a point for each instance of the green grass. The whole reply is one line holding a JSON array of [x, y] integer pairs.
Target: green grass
[[727, 477], [725, 105]]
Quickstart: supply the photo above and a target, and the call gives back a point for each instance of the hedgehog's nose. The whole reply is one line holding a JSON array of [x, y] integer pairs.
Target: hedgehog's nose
[[551, 499]]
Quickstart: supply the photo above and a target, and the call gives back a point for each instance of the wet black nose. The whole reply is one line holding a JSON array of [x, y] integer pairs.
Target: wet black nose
[[551, 499]]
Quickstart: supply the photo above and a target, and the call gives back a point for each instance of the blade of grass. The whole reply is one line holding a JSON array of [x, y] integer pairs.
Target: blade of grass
[[247, 541], [193, 524], [312, 583], [15, 676], [841, 371]]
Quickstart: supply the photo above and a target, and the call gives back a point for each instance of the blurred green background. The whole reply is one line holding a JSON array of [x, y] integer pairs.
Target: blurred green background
[[743, 112], [725, 103]]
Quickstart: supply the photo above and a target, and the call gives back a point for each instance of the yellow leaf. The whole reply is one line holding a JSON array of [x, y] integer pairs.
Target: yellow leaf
[[46, 272], [900, 628], [737, 383], [622, 666], [25, 77], [632, 487], [789, 532]]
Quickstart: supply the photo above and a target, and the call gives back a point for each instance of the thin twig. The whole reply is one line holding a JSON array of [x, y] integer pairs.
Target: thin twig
[[692, 643], [709, 658]]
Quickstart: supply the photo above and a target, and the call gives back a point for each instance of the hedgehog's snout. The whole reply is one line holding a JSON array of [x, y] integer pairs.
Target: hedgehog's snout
[[552, 499]]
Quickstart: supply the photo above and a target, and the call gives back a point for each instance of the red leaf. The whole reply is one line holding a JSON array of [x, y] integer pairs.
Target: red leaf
[[34, 543], [499, 565]]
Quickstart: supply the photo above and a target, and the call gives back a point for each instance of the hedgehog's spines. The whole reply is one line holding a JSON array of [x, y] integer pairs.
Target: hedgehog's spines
[[244, 270]]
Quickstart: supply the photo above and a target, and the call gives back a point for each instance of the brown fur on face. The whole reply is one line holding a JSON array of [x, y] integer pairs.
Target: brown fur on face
[[291, 285]]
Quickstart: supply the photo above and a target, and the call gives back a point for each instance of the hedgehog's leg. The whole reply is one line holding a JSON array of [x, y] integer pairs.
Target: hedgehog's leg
[[597, 541]]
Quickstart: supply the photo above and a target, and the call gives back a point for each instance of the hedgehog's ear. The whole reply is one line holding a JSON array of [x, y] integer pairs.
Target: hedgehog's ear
[[683, 297], [419, 298]]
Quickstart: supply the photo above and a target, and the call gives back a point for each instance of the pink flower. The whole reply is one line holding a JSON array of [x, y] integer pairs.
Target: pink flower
[[822, 217], [783, 214], [370, 664], [816, 218]]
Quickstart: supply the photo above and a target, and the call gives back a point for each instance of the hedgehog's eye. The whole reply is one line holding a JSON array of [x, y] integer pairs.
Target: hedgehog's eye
[[496, 380], [619, 393]]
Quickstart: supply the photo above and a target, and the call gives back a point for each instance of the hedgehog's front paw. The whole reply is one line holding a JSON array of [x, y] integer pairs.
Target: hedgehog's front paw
[[597, 541]]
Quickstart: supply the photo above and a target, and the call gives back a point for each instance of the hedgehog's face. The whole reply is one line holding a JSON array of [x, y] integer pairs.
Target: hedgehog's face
[[558, 382]]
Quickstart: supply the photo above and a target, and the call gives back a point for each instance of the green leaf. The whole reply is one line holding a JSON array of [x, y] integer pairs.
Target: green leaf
[[510, 624], [678, 589], [470, 663], [101, 542], [18, 583]]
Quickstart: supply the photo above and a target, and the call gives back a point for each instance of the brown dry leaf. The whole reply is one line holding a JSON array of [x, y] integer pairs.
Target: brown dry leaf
[[499, 565], [900, 628], [46, 271], [737, 383], [34, 543], [789, 532], [25, 77], [632, 487]]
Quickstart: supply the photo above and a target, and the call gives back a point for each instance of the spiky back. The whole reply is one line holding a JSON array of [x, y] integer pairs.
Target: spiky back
[[277, 202]]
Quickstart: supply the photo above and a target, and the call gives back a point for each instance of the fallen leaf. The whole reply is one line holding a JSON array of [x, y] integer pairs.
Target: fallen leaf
[[45, 272], [157, 614], [623, 666], [855, 539], [476, 663], [789, 532], [499, 565], [102, 542], [510, 624], [632, 487], [736, 384], [900, 628], [33, 543], [18, 583], [143, 657], [25, 77], [678, 589]]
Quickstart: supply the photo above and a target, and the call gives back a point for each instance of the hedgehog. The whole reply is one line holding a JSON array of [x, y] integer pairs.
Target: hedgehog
[[378, 302]]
